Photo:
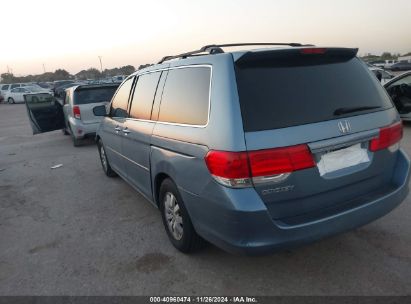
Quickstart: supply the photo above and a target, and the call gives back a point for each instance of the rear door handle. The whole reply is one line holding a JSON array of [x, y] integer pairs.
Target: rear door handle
[[117, 128], [126, 131]]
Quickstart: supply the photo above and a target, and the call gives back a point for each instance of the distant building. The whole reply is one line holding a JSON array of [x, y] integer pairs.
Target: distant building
[[404, 59]]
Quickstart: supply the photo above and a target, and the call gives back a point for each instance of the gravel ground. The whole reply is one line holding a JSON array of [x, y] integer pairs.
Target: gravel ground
[[73, 231]]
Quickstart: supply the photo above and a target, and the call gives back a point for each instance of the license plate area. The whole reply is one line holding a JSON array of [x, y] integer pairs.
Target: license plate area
[[342, 159]]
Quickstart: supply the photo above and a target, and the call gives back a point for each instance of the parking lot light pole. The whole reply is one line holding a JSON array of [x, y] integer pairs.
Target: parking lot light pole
[[101, 65]]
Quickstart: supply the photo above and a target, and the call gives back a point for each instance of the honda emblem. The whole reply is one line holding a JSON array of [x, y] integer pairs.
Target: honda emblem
[[344, 126]]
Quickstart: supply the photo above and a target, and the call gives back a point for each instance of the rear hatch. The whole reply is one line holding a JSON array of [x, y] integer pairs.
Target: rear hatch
[[312, 119], [88, 97]]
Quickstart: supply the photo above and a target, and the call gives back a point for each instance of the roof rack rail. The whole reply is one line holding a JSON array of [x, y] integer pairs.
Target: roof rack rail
[[217, 49]]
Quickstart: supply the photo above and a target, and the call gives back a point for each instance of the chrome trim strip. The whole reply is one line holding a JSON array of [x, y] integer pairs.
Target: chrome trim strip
[[342, 141], [137, 164], [258, 180]]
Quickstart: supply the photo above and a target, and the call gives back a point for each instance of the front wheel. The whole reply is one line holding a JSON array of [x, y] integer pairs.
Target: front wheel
[[176, 220], [104, 160], [10, 100]]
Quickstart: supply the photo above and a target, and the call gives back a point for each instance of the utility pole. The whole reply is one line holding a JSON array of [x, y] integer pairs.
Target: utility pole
[[101, 65], [44, 68]]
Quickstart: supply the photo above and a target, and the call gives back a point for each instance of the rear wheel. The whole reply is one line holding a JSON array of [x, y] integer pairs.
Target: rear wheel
[[10, 100], [104, 160], [76, 141], [176, 220]]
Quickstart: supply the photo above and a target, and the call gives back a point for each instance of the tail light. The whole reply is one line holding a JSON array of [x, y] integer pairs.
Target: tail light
[[76, 112], [313, 51], [241, 169], [388, 137]]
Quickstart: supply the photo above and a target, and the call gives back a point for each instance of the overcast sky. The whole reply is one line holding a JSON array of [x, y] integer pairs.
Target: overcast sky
[[72, 34]]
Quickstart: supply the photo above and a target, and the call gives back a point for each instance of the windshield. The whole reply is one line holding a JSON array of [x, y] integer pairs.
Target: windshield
[[282, 96]]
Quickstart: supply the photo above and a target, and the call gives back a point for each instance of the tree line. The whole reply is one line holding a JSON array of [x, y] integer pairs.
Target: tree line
[[61, 74], [384, 56]]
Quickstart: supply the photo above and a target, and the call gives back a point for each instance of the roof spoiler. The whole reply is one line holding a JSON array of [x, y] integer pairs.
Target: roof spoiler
[[296, 57]]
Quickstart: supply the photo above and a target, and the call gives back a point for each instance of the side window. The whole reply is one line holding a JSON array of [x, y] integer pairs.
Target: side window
[[143, 96], [120, 101], [14, 86], [186, 96], [5, 87]]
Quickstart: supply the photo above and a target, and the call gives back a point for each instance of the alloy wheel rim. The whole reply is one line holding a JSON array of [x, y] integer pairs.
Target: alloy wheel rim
[[173, 216]]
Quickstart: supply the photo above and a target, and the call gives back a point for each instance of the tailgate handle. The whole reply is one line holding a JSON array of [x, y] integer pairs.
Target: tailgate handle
[[342, 141]]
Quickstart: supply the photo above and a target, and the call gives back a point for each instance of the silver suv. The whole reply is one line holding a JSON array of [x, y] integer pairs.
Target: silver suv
[[257, 150], [73, 115], [79, 101]]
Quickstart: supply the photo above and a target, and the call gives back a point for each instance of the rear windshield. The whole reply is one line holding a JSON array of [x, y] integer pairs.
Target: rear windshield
[[93, 95], [279, 96]]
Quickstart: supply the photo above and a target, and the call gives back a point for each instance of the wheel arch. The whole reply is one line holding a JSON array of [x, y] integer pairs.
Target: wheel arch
[[158, 180]]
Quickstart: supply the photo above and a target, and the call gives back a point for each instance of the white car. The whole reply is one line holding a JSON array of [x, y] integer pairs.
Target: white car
[[3, 89], [17, 94], [6, 88], [385, 76]]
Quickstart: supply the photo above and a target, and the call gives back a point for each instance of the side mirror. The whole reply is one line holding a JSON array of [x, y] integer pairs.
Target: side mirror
[[100, 110]]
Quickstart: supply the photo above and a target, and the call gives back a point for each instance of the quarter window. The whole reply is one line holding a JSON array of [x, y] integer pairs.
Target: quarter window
[[120, 101], [143, 96], [186, 96], [66, 100], [405, 80]]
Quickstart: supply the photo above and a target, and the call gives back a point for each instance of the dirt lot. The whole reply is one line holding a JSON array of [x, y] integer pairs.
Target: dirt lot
[[73, 231]]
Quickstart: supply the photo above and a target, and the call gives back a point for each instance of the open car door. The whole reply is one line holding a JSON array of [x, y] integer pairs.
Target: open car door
[[399, 90], [45, 112]]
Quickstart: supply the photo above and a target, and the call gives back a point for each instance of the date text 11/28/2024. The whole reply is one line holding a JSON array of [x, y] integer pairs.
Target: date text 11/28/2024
[[200, 299]]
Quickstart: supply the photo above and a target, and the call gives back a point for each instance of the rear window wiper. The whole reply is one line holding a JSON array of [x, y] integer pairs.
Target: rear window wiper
[[341, 111]]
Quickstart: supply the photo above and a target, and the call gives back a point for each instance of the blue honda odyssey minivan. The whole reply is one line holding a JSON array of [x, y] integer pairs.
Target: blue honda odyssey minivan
[[256, 150]]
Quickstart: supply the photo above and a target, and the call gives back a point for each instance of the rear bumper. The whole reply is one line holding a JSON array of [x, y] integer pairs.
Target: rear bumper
[[81, 130], [245, 226]]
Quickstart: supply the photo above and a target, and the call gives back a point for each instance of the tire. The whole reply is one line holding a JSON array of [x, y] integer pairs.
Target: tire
[[104, 160], [10, 100], [65, 132], [76, 141], [176, 220]]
